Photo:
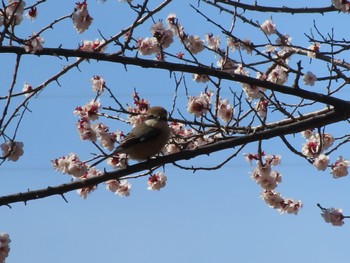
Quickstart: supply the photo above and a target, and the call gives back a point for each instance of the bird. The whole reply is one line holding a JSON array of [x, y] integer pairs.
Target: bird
[[147, 138]]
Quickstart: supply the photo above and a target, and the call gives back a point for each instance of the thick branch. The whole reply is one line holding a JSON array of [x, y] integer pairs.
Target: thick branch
[[282, 9], [145, 63]]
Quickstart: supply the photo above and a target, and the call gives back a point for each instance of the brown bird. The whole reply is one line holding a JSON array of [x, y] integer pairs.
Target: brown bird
[[147, 138]]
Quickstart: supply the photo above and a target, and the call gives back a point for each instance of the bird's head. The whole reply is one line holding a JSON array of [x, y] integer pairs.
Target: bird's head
[[157, 113]]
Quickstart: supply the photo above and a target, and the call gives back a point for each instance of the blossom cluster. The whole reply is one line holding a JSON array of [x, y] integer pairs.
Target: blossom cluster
[[268, 179], [163, 37], [314, 148], [79, 170], [96, 131], [185, 138], [4, 246], [333, 216]]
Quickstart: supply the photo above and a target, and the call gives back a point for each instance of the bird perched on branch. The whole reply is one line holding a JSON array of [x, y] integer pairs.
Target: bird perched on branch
[[147, 138]]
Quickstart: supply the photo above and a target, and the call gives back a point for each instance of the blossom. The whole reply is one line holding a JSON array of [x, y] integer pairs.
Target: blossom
[[85, 191], [85, 130], [307, 133], [163, 36], [225, 111], [227, 65], [252, 91], [200, 78], [311, 148], [316, 143], [272, 159], [232, 43], [81, 18], [92, 46], [156, 181], [194, 44], [341, 5], [124, 188], [261, 107], [71, 165], [12, 150], [14, 12], [98, 84], [333, 215], [265, 177], [199, 105], [107, 139], [89, 111], [32, 13], [148, 46], [340, 168], [175, 26], [313, 50], [27, 89], [278, 75], [4, 246], [321, 162], [212, 42], [268, 27], [117, 161], [309, 78], [34, 43], [121, 188], [247, 45]]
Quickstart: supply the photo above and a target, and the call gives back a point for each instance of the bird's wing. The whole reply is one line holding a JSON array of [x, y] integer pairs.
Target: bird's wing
[[145, 133]]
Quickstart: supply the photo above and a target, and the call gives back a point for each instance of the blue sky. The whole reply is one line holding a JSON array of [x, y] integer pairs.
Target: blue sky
[[203, 217]]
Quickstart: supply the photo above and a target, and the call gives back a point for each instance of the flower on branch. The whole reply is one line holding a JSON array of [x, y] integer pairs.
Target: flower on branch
[[274, 200], [199, 105], [86, 132], [268, 27], [81, 18], [212, 42], [32, 13], [313, 50], [194, 44], [163, 36], [309, 78], [14, 13], [200, 78], [321, 162], [340, 168], [71, 165], [92, 46], [121, 188], [4, 246], [156, 181], [92, 172], [89, 111], [148, 46], [27, 89], [98, 84], [118, 161], [225, 111], [34, 43], [333, 216], [107, 139], [12, 150], [342, 5]]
